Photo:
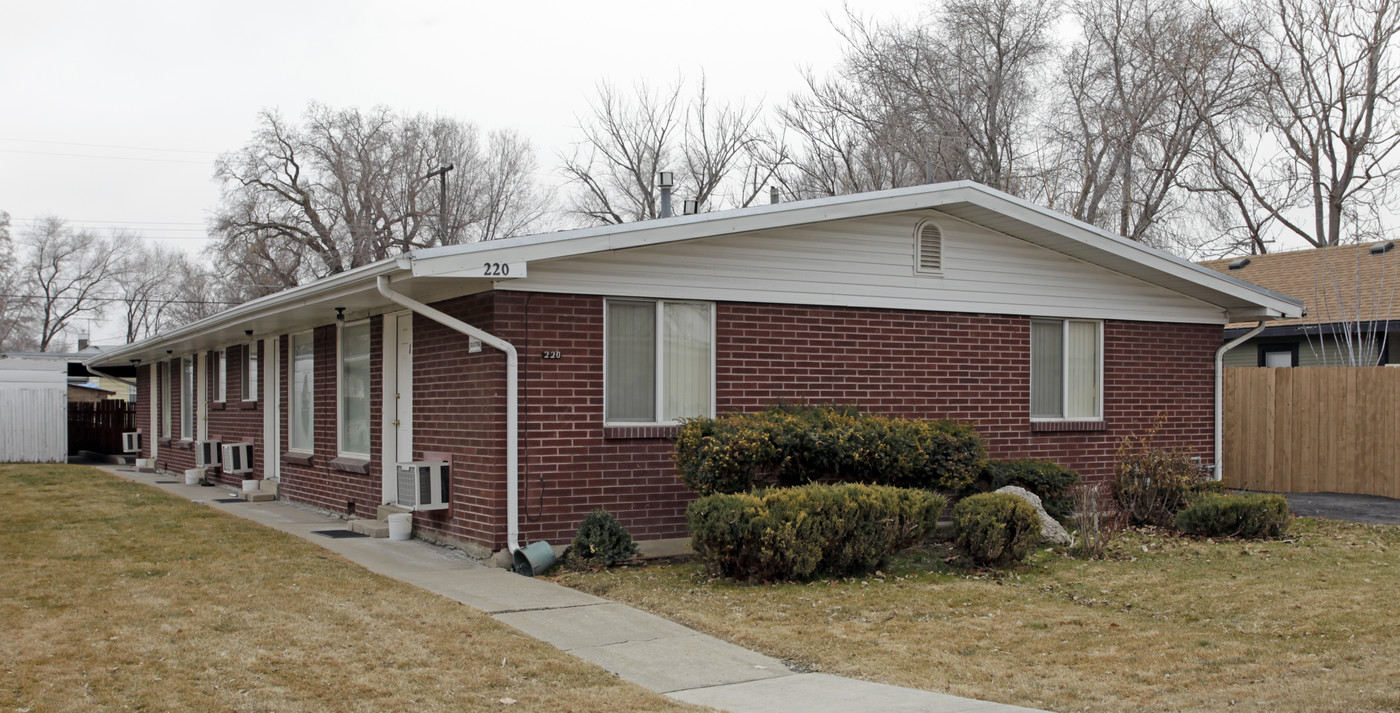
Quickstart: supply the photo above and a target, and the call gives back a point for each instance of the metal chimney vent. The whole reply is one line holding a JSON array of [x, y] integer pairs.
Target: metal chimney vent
[[1239, 264], [1383, 248]]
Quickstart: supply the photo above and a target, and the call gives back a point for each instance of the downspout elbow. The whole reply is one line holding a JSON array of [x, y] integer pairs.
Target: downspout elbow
[[1219, 473]]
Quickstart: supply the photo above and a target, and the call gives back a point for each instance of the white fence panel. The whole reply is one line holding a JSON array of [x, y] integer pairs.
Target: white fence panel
[[33, 425]]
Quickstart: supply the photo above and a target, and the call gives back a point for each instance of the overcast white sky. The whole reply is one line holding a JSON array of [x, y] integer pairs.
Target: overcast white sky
[[114, 111]]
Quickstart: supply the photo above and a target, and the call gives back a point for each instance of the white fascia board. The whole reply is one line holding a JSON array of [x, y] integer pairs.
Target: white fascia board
[[464, 260], [358, 280], [1165, 263], [1147, 264]]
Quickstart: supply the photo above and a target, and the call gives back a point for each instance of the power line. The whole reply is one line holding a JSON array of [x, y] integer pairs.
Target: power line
[[120, 299], [142, 222], [117, 158], [111, 146]]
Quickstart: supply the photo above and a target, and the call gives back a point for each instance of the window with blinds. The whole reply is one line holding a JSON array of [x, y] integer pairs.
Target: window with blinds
[[1066, 369], [659, 358]]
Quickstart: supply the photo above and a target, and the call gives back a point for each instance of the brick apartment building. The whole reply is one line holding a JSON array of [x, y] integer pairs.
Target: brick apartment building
[[946, 301]]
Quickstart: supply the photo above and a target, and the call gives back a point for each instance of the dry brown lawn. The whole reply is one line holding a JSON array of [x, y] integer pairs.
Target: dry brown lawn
[[1170, 624], [115, 596]]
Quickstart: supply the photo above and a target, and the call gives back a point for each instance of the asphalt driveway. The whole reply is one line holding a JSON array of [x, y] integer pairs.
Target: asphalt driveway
[[1340, 506]]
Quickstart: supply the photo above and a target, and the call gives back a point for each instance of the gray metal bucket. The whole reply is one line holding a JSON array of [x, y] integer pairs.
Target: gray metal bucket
[[534, 558]]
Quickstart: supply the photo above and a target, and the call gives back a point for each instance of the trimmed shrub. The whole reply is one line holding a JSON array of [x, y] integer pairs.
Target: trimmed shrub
[[995, 528], [787, 446], [1047, 479], [1251, 516], [601, 541], [1152, 483], [795, 533]]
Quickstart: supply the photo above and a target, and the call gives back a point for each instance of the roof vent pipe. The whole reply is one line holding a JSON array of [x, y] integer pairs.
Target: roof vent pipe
[[773, 194], [665, 181], [690, 207], [1383, 248]]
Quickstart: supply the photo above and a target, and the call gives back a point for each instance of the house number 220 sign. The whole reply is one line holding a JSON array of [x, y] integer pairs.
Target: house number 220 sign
[[501, 269]]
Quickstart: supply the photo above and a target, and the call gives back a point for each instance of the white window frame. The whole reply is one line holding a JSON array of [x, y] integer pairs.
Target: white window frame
[[220, 358], [293, 401], [659, 315], [1064, 373], [249, 371], [187, 399], [165, 399], [340, 386]]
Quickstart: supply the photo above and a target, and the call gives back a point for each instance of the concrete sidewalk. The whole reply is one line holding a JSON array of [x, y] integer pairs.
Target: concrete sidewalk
[[639, 647]]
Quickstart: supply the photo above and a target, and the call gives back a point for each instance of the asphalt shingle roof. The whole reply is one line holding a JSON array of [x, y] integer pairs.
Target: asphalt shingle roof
[[1345, 283]]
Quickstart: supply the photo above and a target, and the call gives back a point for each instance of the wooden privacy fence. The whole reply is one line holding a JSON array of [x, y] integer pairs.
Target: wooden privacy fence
[[99, 425], [1313, 429]]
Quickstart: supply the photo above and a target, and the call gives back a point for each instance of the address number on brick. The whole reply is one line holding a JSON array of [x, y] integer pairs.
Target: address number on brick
[[501, 269], [551, 355]]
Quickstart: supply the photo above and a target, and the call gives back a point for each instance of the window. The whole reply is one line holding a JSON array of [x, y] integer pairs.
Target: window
[[250, 371], [659, 361], [354, 389], [1278, 354], [220, 364], [1066, 369], [303, 389], [187, 398], [164, 398]]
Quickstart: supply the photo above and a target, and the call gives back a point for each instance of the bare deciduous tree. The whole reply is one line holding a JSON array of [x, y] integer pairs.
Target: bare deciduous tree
[[720, 153], [1314, 157], [348, 188], [154, 291], [69, 273], [15, 305]]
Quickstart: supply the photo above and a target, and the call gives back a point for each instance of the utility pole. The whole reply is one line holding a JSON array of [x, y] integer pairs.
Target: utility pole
[[441, 173]]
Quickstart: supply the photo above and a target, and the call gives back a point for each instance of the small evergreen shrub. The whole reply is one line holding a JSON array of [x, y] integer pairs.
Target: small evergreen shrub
[[995, 529], [786, 446], [1251, 516], [601, 541], [795, 533], [1152, 483], [1047, 479]]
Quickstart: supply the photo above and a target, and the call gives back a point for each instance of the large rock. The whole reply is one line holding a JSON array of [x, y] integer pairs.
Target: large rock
[[1051, 531]]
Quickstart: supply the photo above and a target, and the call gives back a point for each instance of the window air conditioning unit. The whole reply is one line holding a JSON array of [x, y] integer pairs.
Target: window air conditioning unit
[[422, 485], [238, 458], [206, 454], [131, 442]]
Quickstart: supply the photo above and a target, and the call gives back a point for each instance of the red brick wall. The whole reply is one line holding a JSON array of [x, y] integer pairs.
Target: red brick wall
[[176, 454], [968, 367], [235, 420], [326, 481], [144, 382]]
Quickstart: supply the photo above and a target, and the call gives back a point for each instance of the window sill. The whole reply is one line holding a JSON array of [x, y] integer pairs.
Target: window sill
[[184, 444], [163, 441], [640, 431], [297, 458], [350, 465], [248, 405], [1056, 426], [218, 405]]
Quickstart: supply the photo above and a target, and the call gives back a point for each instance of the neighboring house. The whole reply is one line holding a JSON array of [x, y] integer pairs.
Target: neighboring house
[[946, 301], [33, 410], [87, 393], [1350, 292]]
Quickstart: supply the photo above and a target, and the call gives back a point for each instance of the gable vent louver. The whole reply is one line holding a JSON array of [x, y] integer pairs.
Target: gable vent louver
[[930, 249]]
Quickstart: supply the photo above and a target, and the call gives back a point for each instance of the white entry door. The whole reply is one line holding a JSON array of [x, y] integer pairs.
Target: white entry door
[[398, 397]]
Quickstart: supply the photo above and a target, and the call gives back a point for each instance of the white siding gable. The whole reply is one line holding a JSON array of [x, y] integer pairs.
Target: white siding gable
[[870, 262]]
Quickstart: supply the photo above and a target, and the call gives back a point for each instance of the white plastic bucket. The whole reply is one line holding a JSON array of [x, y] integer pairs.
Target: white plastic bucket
[[251, 486], [193, 476], [400, 526]]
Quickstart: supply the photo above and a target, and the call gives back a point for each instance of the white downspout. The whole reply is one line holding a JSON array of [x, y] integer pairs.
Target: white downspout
[[1220, 395], [512, 399]]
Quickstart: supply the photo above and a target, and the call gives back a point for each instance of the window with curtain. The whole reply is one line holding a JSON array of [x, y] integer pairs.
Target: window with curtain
[[187, 398], [659, 361], [221, 375], [164, 399], [250, 371], [354, 389], [302, 407], [1066, 379]]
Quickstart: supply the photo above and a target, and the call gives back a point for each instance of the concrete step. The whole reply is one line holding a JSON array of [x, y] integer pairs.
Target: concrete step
[[373, 528], [259, 497]]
